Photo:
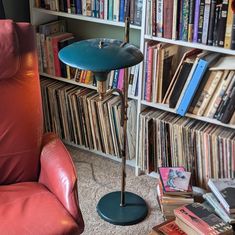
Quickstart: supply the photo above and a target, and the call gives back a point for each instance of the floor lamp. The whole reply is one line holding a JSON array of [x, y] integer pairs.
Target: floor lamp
[[100, 56]]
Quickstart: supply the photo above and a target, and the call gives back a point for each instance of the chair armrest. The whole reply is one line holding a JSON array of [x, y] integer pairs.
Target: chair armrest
[[59, 176]]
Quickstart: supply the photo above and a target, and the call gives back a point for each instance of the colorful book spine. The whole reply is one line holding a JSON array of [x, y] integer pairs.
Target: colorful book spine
[[122, 11], [200, 22], [205, 26], [233, 28], [192, 87], [167, 19], [175, 20], [159, 18], [191, 20], [211, 22], [185, 15], [110, 9], [228, 32], [196, 20], [148, 83], [78, 5], [222, 23]]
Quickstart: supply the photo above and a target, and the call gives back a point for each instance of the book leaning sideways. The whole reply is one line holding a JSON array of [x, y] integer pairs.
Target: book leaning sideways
[[224, 190], [197, 219]]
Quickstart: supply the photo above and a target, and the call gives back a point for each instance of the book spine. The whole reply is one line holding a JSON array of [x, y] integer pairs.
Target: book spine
[[138, 12], [233, 28], [101, 9], [206, 21], [185, 15], [134, 90], [159, 18], [121, 11], [200, 23], [148, 86], [191, 20], [192, 87], [110, 9], [167, 18], [228, 31], [217, 17], [196, 20], [175, 20], [211, 23], [69, 7], [115, 78], [222, 23], [154, 31], [78, 5]]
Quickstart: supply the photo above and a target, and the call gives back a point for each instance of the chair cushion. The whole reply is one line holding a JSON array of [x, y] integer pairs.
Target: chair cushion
[[9, 47], [29, 208]]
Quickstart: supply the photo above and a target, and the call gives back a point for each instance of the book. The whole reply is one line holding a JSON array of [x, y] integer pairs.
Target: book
[[222, 24], [174, 179], [211, 22], [168, 227], [228, 30], [167, 19], [197, 219], [219, 93], [187, 54], [205, 27], [207, 92], [183, 75], [200, 21], [191, 88], [219, 210], [224, 190], [196, 20], [191, 20]]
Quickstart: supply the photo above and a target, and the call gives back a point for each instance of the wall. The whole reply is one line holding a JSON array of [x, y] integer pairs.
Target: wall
[[17, 10]]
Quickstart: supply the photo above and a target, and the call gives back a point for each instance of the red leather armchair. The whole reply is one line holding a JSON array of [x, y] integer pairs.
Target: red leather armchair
[[38, 183]]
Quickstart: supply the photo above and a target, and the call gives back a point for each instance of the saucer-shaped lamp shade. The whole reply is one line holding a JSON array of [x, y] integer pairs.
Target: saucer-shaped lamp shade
[[100, 55]]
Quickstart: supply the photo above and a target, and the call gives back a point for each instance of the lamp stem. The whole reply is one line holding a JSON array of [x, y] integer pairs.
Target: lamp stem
[[125, 96]]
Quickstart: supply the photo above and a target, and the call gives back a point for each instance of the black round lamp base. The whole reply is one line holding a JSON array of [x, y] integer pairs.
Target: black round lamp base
[[134, 211]]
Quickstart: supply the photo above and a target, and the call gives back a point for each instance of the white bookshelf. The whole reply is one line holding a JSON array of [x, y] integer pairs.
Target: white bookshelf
[[39, 16]]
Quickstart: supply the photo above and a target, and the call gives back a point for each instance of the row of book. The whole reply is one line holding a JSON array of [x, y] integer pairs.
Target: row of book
[[114, 10], [167, 139], [194, 219], [51, 38], [78, 116], [202, 21], [199, 82]]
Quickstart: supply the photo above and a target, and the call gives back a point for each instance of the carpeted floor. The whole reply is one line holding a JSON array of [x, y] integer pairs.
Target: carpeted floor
[[97, 176]]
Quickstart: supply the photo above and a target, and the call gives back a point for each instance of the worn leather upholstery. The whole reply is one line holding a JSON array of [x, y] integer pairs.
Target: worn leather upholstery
[[38, 182]]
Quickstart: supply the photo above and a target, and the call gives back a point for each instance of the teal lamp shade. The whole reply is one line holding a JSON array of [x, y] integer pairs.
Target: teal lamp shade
[[100, 55]]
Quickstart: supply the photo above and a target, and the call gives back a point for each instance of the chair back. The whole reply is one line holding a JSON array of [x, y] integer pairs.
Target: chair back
[[21, 123]]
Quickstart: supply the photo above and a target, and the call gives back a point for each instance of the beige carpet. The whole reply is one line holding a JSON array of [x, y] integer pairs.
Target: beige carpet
[[97, 176]]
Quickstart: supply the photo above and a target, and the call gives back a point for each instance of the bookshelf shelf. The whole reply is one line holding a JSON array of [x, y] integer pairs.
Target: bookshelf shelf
[[201, 118], [192, 45], [84, 18]]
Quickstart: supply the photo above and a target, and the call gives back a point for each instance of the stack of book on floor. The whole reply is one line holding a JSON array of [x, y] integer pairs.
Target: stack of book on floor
[[221, 199], [174, 189], [194, 219]]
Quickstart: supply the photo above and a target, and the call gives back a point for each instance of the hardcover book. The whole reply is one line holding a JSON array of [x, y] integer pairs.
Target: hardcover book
[[224, 190], [168, 227], [197, 219], [174, 179]]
